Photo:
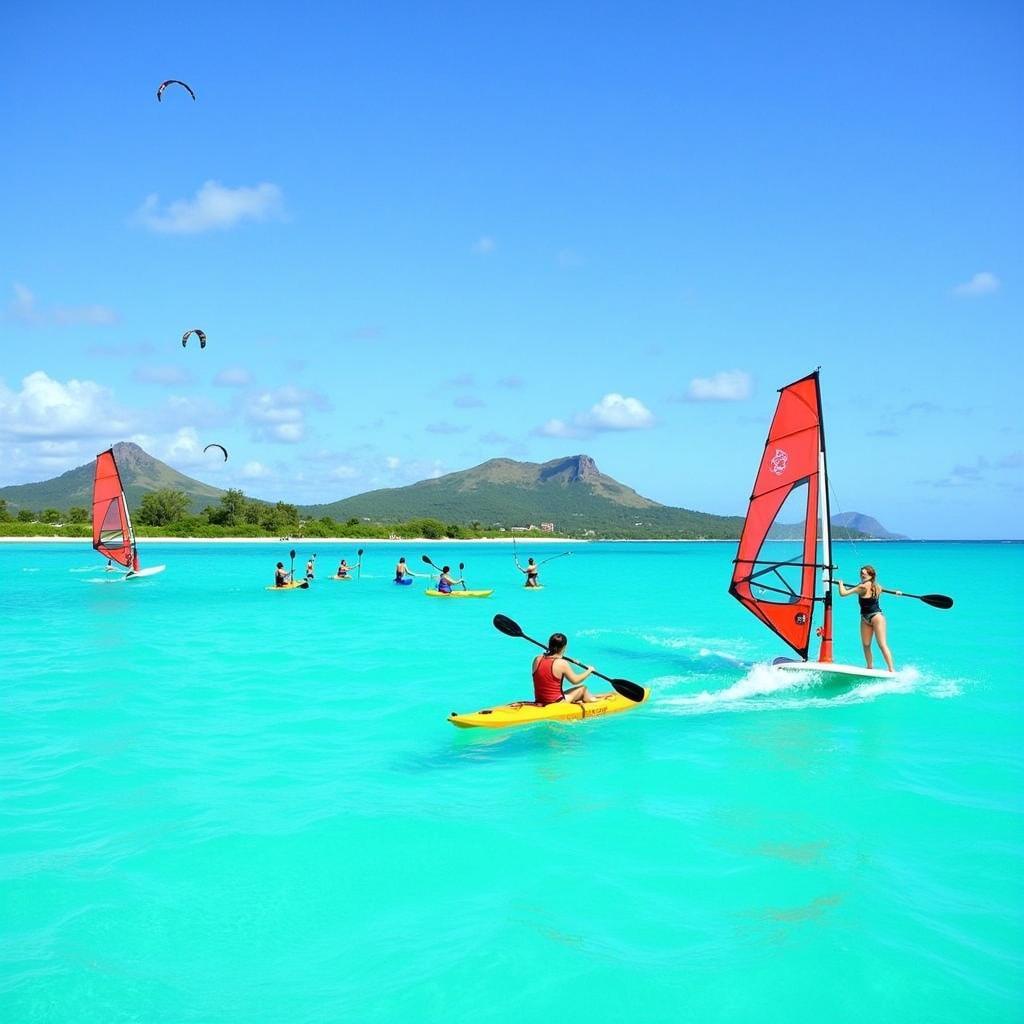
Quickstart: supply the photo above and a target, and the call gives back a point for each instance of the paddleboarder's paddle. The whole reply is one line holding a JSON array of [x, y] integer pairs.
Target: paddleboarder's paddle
[[359, 564], [935, 600], [462, 565], [631, 691], [553, 557], [304, 585]]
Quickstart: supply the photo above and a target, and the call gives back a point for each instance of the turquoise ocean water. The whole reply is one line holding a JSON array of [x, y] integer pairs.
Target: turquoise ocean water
[[222, 804]]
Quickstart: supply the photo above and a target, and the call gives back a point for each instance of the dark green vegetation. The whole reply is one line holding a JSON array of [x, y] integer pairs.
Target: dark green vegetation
[[140, 475], [488, 500]]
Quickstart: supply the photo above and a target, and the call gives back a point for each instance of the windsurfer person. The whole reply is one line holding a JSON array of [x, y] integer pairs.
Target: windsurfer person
[[281, 575], [872, 621], [532, 572], [551, 670]]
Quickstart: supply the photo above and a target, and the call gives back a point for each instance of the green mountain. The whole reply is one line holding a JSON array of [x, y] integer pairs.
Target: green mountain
[[570, 492], [865, 524], [140, 474]]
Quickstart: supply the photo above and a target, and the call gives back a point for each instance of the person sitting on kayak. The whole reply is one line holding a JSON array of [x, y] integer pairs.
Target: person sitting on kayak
[[532, 571], [445, 582], [550, 670], [343, 569], [281, 575], [402, 571]]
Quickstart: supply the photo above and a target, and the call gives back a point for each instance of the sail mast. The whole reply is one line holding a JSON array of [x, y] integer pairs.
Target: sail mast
[[825, 632]]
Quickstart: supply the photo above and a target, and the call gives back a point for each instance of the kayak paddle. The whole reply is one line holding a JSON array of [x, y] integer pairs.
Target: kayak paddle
[[359, 564], [631, 691], [462, 565], [553, 557]]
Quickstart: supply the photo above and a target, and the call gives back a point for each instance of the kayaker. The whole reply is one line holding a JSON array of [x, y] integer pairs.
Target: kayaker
[[551, 670], [402, 571], [281, 575], [872, 621], [445, 581], [344, 568], [532, 572]]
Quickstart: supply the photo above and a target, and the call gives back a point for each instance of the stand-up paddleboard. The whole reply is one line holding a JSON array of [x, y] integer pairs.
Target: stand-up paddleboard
[[459, 593], [112, 533], [540, 586], [297, 585], [526, 712], [343, 579], [777, 563]]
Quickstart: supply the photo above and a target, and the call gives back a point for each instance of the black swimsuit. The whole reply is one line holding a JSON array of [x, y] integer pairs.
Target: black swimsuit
[[868, 608]]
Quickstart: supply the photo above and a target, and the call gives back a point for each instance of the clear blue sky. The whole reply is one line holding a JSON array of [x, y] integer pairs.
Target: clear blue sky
[[419, 236]]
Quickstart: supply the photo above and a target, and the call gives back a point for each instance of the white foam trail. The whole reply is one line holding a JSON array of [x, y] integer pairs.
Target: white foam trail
[[765, 688]]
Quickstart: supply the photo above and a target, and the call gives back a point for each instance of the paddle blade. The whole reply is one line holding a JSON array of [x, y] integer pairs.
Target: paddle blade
[[426, 559], [304, 585], [507, 626], [292, 554], [631, 691], [359, 552], [937, 600]]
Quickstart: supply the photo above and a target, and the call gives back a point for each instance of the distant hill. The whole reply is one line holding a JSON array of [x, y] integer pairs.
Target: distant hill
[[865, 524], [140, 474], [570, 492]]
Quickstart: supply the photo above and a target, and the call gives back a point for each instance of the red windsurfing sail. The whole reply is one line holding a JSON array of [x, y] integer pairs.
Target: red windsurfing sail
[[112, 534], [774, 574]]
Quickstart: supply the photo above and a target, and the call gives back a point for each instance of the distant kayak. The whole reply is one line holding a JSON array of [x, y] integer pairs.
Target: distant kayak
[[459, 593], [297, 585], [526, 712]]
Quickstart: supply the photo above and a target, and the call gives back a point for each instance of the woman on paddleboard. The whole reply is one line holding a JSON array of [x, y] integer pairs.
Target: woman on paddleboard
[[551, 670], [532, 572], [872, 621]]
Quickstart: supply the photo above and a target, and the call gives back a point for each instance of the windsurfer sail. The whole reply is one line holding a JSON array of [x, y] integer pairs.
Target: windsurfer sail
[[112, 533], [788, 505]]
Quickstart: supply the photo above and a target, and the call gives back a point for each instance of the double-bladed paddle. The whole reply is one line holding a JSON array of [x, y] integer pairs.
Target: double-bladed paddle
[[631, 691], [935, 600]]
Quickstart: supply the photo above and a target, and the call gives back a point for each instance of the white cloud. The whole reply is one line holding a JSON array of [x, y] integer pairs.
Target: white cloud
[[614, 412], [48, 408], [484, 245], [280, 415], [168, 376], [255, 471], [343, 473], [392, 462], [727, 386], [233, 377], [24, 310], [213, 207], [983, 283]]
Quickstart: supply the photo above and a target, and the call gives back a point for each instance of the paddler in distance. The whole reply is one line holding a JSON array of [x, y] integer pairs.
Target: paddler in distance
[[344, 568], [402, 571], [532, 572], [445, 581], [551, 670], [872, 621], [310, 566]]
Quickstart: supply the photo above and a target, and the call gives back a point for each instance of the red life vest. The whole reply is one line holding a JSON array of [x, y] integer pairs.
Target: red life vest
[[546, 688]]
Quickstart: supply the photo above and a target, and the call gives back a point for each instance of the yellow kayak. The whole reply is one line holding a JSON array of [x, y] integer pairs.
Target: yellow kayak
[[459, 593], [297, 585], [526, 712]]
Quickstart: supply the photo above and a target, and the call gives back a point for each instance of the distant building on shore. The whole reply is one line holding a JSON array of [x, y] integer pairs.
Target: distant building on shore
[[547, 527]]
